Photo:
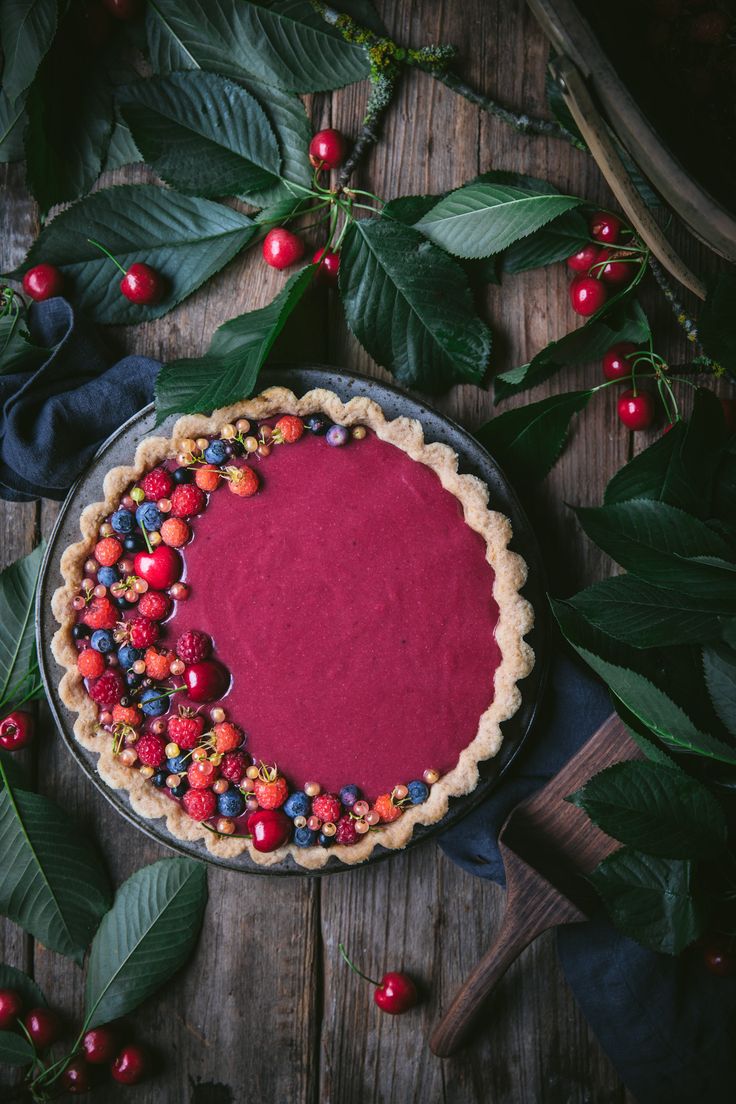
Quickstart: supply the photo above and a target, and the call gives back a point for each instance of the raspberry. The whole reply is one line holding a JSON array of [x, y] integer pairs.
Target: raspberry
[[201, 773], [101, 614], [193, 646], [151, 750], [199, 804], [234, 766], [346, 832], [157, 484], [90, 663], [386, 809], [108, 551], [175, 532], [143, 632], [126, 714], [207, 477], [185, 730], [154, 605], [227, 736], [243, 481], [271, 792], [108, 688], [187, 500], [158, 663], [327, 807], [288, 429]]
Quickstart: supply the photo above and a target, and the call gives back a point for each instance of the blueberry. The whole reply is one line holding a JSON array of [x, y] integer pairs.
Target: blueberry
[[149, 516], [304, 837], [236, 448], [297, 804], [153, 703], [127, 655], [349, 795], [134, 543], [177, 764], [122, 521], [182, 475], [317, 423], [337, 435], [81, 632], [231, 803], [132, 680], [418, 792], [181, 789], [159, 779], [107, 576], [216, 452], [120, 601], [103, 640], [325, 841]]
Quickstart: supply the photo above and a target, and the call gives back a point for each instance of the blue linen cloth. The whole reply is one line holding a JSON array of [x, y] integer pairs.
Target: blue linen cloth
[[667, 1024]]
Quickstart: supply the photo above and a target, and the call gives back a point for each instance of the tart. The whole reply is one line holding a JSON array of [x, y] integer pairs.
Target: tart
[[293, 628]]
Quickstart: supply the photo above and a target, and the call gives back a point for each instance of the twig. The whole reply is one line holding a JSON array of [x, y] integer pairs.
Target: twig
[[688, 324], [383, 86]]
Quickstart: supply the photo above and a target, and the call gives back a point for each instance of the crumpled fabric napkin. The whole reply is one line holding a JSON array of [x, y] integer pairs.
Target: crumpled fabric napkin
[[53, 419], [667, 1024]]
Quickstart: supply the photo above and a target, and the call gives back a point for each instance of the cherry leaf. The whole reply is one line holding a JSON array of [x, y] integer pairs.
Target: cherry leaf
[[528, 441], [27, 29]]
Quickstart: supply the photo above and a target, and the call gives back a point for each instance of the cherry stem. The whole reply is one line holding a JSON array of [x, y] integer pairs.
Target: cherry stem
[[149, 546], [354, 968], [107, 253]]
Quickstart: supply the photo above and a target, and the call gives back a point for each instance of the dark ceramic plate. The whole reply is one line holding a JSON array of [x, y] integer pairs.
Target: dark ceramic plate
[[119, 449]]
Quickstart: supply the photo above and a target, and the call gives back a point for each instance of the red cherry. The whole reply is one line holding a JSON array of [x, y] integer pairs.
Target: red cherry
[[328, 269], [281, 248], [709, 28], [130, 1066], [16, 730], [396, 994], [583, 259], [43, 1026], [99, 1045], [159, 568], [11, 1006], [124, 9], [43, 282], [206, 681], [142, 284], [76, 1079], [636, 411], [605, 227], [327, 149], [587, 295], [616, 364], [270, 829], [613, 269], [718, 958]]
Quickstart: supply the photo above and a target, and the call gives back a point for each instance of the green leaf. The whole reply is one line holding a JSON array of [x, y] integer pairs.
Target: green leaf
[[12, 978], [17, 635], [716, 331], [52, 882], [650, 899], [479, 219], [12, 125], [12, 770], [293, 131], [528, 441], [557, 241], [186, 239], [719, 665], [409, 209], [147, 935], [203, 134], [286, 45], [121, 149], [410, 306], [229, 370], [646, 616], [558, 106], [15, 1050], [27, 29], [658, 810], [17, 352]]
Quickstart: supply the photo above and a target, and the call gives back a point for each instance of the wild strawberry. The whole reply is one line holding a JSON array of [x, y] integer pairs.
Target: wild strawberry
[[101, 614], [126, 714], [158, 663], [387, 809], [143, 632], [227, 737], [108, 688], [346, 832], [157, 484], [327, 807], [108, 551], [243, 482], [288, 429], [271, 789], [185, 729], [201, 773], [207, 477], [234, 766], [154, 605], [175, 532], [151, 749], [187, 500], [193, 646], [90, 663], [199, 804]]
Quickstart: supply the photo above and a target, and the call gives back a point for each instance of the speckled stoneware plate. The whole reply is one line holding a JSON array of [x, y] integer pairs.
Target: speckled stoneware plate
[[120, 448]]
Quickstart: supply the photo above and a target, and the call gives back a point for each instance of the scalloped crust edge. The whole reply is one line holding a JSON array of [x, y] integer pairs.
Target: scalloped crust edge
[[515, 620]]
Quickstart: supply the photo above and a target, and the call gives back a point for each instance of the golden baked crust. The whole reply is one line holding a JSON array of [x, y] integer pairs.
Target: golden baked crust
[[515, 620]]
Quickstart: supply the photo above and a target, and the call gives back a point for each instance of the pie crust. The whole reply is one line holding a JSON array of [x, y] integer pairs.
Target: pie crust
[[515, 619]]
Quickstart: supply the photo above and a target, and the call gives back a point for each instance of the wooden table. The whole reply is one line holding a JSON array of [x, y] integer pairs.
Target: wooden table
[[267, 1011]]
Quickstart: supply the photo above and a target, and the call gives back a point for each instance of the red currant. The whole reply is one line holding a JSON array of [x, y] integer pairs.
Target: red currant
[[16, 730], [43, 282], [43, 1026], [130, 1066], [614, 267], [636, 409], [584, 258], [99, 1045], [616, 364], [76, 1079], [587, 295], [327, 149], [142, 284], [124, 9], [11, 1006], [605, 227], [281, 248], [329, 266]]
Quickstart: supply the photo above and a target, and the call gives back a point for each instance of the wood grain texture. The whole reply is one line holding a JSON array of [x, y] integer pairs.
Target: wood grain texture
[[267, 1010]]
